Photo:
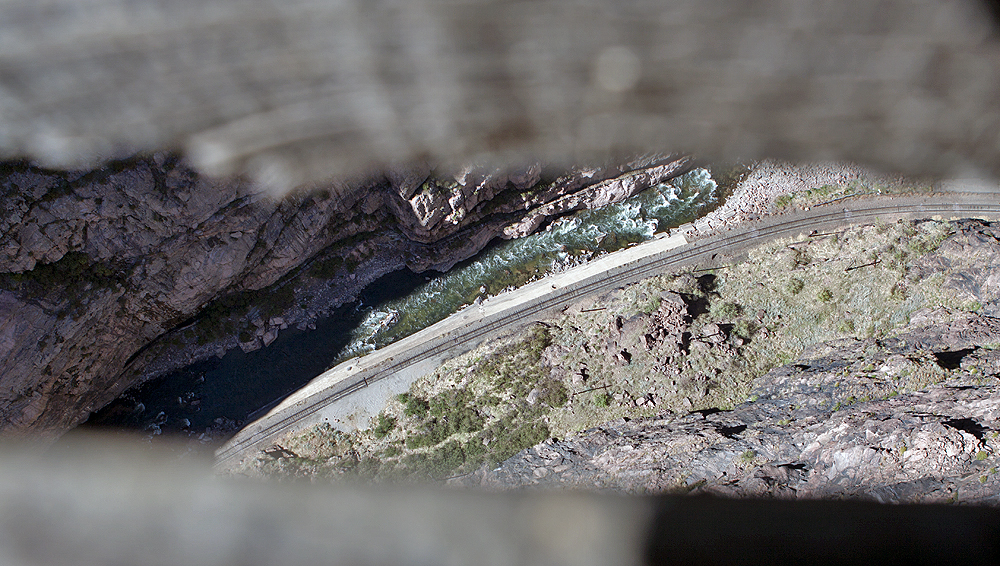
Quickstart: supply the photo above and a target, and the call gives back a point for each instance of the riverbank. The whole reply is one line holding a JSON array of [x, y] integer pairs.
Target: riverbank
[[621, 357], [145, 258], [379, 318]]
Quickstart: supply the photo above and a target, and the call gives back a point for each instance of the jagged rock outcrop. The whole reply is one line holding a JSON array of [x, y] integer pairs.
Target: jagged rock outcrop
[[912, 417], [907, 416], [97, 267]]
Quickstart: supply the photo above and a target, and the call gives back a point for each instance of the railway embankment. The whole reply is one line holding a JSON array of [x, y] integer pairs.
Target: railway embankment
[[331, 400]]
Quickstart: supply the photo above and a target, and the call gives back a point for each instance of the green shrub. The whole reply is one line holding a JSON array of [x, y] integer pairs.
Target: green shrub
[[413, 405], [451, 412], [782, 201], [217, 320], [414, 441], [384, 425], [73, 271], [825, 295], [554, 394], [795, 286], [602, 399], [726, 311]]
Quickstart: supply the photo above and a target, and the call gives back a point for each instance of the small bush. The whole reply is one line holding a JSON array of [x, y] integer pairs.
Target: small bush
[[384, 425], [743, 328], [326, 268], [538, 339], [554, 394], [650, 306], [602, 399], [795, 286], [898, 292], [414, 406], [726, 311], [825, 295]]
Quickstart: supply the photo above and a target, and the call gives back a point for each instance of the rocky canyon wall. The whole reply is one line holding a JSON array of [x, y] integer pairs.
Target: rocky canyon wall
[[112, 275]]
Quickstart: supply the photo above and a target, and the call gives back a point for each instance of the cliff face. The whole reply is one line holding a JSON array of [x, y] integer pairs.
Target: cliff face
[[833, 424], [909, 416], [858, 363], [98, 267]]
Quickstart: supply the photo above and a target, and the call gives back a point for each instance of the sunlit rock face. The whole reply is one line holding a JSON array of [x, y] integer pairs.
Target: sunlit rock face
[[96, 265], [810, 432], [908, 416]]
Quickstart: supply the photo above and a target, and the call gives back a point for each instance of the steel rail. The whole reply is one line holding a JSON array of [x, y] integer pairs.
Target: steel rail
[[707, 248]]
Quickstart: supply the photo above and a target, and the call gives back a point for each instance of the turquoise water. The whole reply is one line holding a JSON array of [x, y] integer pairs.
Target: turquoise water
[[397, 305], [568, 241]]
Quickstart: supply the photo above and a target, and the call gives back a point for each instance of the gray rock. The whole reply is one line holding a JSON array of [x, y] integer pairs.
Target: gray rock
[[174, 241], [826, 426]]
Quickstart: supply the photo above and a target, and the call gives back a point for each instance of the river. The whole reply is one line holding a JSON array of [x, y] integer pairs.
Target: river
[[224, 393]]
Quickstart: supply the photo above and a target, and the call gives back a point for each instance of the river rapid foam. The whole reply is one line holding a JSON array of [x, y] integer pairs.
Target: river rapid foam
[[207, 399]]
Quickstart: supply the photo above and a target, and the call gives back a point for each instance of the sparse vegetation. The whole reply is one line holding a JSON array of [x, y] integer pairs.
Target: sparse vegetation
[[814, 196], [72, 276], [584, 369], [454, 425], [221, 317], [326, 268], [384, 425]]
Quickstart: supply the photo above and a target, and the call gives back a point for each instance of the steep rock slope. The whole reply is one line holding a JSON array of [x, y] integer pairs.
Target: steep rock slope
[[862, 361], [833, 424], [907, 416], [97, 267]]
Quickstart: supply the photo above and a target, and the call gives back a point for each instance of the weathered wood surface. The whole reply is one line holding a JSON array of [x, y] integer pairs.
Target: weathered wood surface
[[297, 90]]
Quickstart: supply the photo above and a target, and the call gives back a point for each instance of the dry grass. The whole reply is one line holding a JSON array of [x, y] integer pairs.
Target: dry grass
[[860, 187]]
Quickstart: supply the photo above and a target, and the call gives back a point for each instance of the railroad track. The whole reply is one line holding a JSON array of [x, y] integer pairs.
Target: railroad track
[[436, 342]]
